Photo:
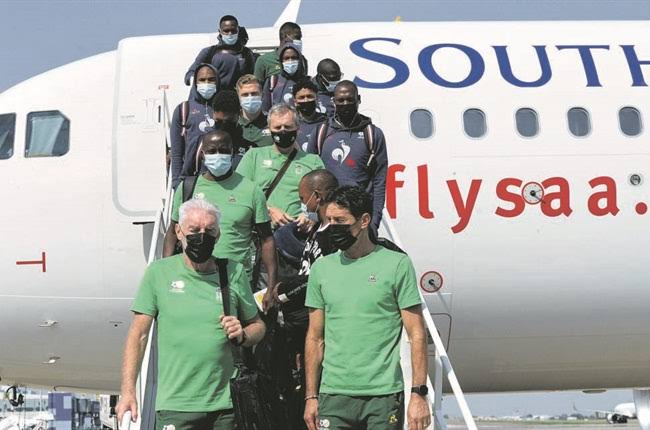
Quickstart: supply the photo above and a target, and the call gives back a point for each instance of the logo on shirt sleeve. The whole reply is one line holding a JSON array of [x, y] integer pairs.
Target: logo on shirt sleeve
[[199, 196], [372, 278]]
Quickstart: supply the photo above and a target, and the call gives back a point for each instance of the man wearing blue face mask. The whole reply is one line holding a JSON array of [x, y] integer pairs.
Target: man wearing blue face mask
[[191, 119], [252, 120], [242, 204], [269, 64], [229, 56], [278, 88], [327, 77]]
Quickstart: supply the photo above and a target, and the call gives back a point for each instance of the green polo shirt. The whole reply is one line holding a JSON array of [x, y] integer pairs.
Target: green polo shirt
[[266, 65], [362, 299], [242, 205], [256, 131], [261, 165], [194, 358]]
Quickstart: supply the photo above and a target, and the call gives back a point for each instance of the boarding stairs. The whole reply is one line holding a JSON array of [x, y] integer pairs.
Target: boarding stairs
[[147, 379]]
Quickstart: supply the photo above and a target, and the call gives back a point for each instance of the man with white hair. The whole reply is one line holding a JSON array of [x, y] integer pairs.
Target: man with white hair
[[184, 294], [278, 168]]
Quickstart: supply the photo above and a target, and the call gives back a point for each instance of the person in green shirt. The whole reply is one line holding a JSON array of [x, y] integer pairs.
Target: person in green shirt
[[359, 299], [252, 120], [242, 204], [261, 165], [195, 363], [269, 64]]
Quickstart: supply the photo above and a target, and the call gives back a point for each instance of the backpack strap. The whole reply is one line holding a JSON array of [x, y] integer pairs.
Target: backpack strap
[[369, 137], [320, 137], [189, 183], [273, 82], [185, 112]]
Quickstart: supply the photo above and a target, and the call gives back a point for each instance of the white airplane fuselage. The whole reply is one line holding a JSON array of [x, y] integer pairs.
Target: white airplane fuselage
[[545, 296]]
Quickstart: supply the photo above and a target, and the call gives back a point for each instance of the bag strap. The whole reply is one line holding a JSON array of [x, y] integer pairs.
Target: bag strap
[[222, 266], [320, 137], [369, 137], [273, 82], [189, 183], [185, 112], [280, 174]]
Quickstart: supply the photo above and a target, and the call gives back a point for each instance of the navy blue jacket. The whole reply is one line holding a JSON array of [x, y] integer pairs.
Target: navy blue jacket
[[346, 154], [306, 129], [232, 62], [281, 91], [184, 142]]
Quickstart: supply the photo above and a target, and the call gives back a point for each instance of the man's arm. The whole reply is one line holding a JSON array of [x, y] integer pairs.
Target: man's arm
[[169, 245], [177, 146], [418, 414], [136, 343], [379, 178], [269, 256], [314, 347], [201, 58]]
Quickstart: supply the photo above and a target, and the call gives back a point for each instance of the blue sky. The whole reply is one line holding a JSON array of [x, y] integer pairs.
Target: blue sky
[[38, 35]]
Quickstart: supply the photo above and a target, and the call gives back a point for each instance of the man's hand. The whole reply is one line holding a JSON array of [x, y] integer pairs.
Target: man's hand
[[127, 403], [232, 327], [305, 224], [418, 416], [311, 414], [270, 298], [279, 217]]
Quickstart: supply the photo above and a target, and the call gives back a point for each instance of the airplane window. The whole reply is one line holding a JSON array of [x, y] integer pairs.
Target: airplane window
[[527, 124], [7, 129], [474, 122], [629, 119], [421, 123], [579, 124], [48, 134]]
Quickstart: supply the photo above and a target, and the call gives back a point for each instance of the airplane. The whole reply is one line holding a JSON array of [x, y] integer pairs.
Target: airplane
[[620, 415], [517, 183]]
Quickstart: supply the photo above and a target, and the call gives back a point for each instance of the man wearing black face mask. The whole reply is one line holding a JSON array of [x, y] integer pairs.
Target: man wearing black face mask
[[264, 166], [367, 292], [195, 363], [226, 117], [306, 98], [353, 148]]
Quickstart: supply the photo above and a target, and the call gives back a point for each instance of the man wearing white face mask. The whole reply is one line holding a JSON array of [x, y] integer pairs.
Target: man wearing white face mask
[[328, 75], [278, 88], [230, 56], [252, 120], [269, 64], [241, 201], [191, 119]]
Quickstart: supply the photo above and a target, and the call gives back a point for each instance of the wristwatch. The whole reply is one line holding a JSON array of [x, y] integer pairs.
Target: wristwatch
[[422, 390]]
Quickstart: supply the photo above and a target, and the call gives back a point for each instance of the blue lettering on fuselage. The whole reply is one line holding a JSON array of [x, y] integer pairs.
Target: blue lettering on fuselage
[[477, 64]]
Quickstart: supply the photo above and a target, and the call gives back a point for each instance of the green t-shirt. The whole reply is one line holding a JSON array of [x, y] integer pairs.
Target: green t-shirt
[[256, 131], [194, 358], [266, 65], [362, 300], [261, 165], [242, 205]]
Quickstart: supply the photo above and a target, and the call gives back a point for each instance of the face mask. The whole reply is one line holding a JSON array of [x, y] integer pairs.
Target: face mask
[[284, 139], [306, 108], [346, 113], [206, 90], [291, 66], [218, 164], [297, 44], [251, 104], [330, 85], [230, 39], [199, 246], [340, 236], [312, 216]]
